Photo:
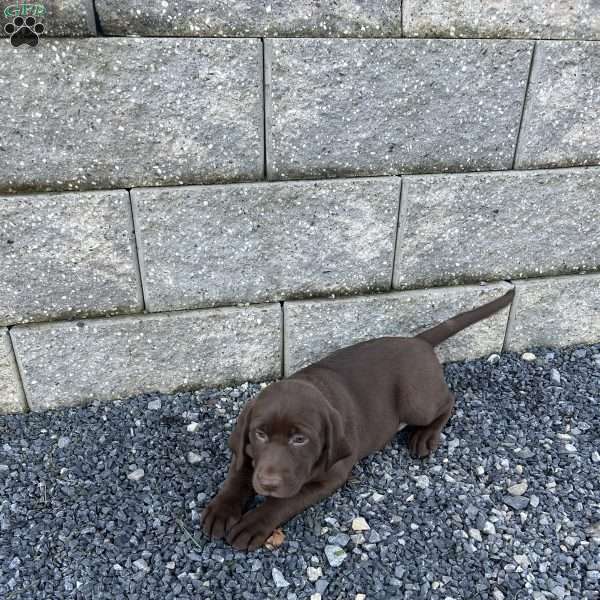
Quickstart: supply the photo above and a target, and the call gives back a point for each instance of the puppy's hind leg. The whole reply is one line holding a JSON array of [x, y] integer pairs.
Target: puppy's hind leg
[[424, 440]]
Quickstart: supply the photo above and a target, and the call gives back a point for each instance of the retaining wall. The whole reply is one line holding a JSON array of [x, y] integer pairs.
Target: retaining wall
[[242, 189]]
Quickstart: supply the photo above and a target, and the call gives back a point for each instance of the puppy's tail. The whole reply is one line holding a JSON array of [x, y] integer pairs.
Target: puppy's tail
[[436, 335]]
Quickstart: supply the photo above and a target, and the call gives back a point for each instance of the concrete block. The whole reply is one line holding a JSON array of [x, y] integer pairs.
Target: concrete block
[[475, 227], [12, 399], [315, 328], [332, 18], [210, 245], [561, 311], [70, 363], [383, 107], [562, 113], [252, 18], [125, 112], [69, 18], [64, 255], [502, 18]]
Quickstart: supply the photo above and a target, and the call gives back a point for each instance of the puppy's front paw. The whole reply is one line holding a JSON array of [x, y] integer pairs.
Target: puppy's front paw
[[252, 531], [220, 515]]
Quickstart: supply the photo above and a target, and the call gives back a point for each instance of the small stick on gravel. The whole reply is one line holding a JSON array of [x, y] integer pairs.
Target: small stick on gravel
[[180, 523]]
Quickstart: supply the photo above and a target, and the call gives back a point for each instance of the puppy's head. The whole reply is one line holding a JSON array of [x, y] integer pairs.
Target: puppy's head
[[289, 432]]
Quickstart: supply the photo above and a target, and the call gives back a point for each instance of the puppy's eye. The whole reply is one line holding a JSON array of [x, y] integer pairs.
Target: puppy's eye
[[298, 440], [261, 436]]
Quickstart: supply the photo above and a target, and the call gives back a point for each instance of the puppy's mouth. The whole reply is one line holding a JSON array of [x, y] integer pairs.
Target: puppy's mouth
[[271, 493]]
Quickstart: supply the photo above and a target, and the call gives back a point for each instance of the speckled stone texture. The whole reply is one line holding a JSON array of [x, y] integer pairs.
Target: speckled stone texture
[[315, 328], [11, 393], [63, 255], [561, 122], [74, 362], [561, 310], [367, 107], [502, 18], [70, 18], [209, 245], [475, 227], [105, 113], [252, 18]]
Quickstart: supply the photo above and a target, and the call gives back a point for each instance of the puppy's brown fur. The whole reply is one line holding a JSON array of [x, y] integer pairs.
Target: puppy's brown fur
[[297, 441]]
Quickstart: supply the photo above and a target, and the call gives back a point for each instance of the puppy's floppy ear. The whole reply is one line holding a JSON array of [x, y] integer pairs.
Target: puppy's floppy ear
[[239, 436], [336, 444]]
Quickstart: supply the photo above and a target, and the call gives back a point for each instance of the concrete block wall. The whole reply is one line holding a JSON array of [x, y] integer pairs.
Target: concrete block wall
[[196, 194]]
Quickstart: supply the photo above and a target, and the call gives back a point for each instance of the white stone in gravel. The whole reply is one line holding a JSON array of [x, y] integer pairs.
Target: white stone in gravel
[[422, 481], [154, 404], [518, 489], [141, 565], [170, 565], [571, 540], [493, 358], [374, 538], [193, 458], [570, 448], [555, 376], [534, 501], [340, 539], [475, 534], [278, 578], [117, 567], [528, 356], [359, 524], [360, 597], [193, 427], [256, 565], [63, 441], [521, 560], [498, 595], [480, 471], [335, 555], [315, 596], [595, 457], [489, 528], [376, 497], [313, 573], [136, 475], [453, 445]]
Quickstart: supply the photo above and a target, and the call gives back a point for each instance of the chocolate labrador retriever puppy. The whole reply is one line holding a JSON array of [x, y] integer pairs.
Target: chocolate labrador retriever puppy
[[297, 441]]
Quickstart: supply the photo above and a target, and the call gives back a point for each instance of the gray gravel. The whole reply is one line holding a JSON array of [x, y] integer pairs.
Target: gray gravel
[[103, 502]]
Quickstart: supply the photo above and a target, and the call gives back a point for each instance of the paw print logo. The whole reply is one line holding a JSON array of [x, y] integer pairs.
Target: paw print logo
[[24, 31]]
